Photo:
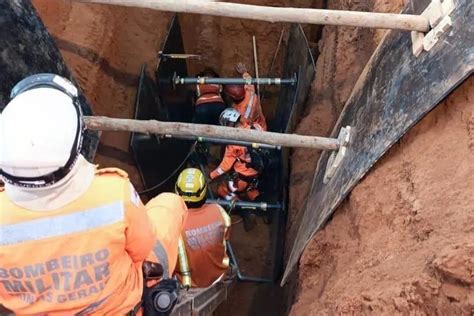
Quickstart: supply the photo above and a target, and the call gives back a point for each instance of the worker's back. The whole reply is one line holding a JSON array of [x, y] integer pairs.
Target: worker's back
[[83, 258], [208, 93], [205, 232]]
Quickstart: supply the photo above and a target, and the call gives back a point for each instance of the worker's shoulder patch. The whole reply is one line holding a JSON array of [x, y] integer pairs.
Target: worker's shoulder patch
[[112, 171]]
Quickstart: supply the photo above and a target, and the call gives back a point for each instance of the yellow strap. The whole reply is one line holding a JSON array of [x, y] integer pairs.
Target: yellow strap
[[116, 171], [225, 216]]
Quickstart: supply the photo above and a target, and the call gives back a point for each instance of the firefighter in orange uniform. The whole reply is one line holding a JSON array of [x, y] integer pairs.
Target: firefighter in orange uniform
[[237, 160], [246, 101], [209, 103], [73, 239], [203, 258]]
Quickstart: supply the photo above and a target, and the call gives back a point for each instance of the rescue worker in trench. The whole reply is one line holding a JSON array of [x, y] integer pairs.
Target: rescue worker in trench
[[73, 239], [246, 101], [209, 103], [236, 160], [203, 256]]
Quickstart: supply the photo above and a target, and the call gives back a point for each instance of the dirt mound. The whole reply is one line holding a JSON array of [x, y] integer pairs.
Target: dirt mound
[[344, 52], [402, 242]]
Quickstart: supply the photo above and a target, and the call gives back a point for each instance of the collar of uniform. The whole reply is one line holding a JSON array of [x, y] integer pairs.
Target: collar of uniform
[[74, 185]]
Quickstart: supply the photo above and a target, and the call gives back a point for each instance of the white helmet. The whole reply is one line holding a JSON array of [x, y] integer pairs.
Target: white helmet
[[44, 125], [229, 117]]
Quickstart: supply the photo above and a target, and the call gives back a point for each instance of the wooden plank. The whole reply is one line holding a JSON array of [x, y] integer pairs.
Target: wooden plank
[[279, 14], [394, 92], [26, 48], [102, 123]]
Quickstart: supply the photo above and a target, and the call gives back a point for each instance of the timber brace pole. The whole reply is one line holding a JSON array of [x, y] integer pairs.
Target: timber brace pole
[[408, 22], [101, 123]]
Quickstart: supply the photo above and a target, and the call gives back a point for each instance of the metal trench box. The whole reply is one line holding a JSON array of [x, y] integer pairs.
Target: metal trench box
[[394, 92], [26, 48], [156, 157]]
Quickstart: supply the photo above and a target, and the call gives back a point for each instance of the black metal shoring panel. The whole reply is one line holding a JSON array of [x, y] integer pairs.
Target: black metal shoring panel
[[291, 102], [157, 157], [26, 48], [395, 91]]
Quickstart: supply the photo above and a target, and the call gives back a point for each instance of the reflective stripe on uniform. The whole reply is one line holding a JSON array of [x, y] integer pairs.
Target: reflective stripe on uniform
[[232, 186], [249, 106], [162, 256], [230, 196], [61, 225], [220, 171]]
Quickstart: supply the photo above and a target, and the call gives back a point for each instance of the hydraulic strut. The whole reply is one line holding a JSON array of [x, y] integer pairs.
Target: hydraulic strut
[[261, 81], [222, 141], [263, 206]]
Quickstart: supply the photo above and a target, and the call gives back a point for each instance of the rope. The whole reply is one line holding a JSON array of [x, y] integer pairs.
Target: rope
[[153, 188]]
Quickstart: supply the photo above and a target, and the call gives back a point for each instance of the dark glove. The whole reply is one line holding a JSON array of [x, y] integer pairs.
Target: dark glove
[[152, 270]]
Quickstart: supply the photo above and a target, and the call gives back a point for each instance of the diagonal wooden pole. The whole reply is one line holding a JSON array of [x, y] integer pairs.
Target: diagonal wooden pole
[[102, 123]]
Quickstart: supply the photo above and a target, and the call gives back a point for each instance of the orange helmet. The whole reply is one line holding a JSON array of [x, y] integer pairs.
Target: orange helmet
[[235, 92]]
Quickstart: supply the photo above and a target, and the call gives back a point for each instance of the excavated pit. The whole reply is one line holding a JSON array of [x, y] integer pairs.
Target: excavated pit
[[404, 246]]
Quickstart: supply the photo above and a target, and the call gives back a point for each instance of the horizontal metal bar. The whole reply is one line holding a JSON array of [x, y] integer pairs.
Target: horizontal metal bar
[[241, 81], [223, 141], [241, 277], [246, 205], [178, 56]]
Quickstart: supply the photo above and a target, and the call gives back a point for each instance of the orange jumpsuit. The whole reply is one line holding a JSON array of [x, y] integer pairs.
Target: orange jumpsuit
[[86, 257], [209, 104], [236, 158], [250, 108], [205, 234], [208, 93]]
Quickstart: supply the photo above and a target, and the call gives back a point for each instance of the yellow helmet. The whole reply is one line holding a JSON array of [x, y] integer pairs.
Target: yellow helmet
[[191, 185]]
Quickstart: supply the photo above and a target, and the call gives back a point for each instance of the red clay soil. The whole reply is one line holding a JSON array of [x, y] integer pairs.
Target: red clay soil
[[105, 46], [402, 243], [222, 42], [344, 52]]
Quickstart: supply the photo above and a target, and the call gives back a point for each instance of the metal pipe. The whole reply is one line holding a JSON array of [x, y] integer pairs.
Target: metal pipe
[[240, 276], [223, 141], [242, 81], [178, 56], [246, 205]]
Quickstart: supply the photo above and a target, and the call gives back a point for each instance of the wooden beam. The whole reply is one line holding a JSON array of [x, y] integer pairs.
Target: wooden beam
[[407, 22], [186, 129]]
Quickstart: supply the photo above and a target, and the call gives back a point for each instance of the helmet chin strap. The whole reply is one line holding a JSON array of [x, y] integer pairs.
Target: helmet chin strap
[[74, 185]]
